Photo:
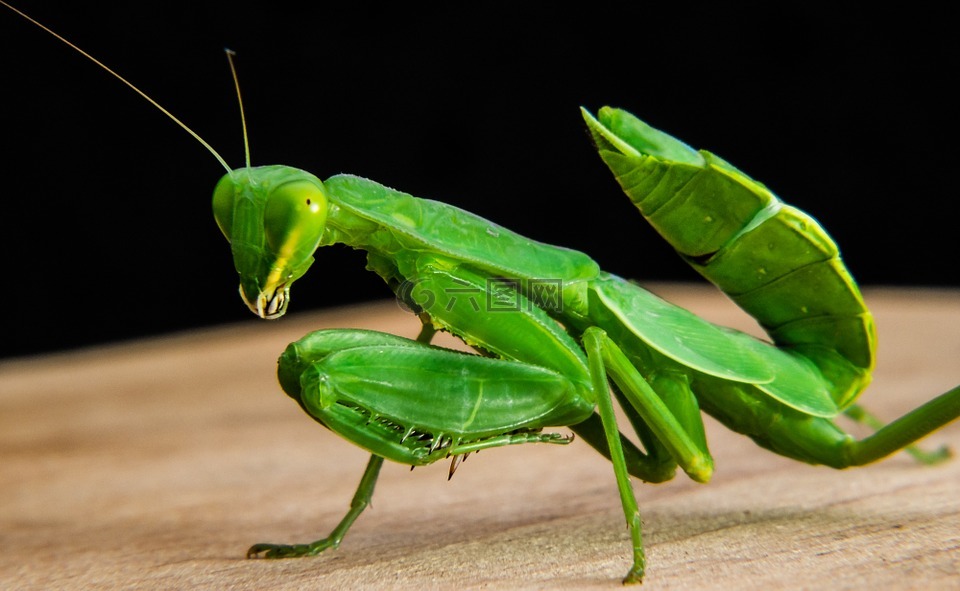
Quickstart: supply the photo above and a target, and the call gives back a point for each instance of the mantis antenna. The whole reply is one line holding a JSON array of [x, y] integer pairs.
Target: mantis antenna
[[243, 119], [195, 135]]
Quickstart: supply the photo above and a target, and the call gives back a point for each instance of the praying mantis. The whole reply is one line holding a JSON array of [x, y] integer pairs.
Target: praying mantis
[[561, 339]]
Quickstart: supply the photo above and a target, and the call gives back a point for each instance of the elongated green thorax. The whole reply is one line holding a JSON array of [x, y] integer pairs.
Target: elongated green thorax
[[274, 218]]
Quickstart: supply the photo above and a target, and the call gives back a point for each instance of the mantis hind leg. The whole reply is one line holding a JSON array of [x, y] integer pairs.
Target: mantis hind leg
[[361, 499], [859, 414], [903, 432], [821, 441]]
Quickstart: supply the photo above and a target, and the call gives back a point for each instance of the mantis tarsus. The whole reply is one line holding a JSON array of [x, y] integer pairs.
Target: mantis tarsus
[[562, 339]]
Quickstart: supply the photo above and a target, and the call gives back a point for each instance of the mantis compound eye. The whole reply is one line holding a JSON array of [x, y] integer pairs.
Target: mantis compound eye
[[293, 220], [224, 196]]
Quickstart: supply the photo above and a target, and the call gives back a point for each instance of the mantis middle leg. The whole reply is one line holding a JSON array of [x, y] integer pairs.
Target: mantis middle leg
[[665, 415]]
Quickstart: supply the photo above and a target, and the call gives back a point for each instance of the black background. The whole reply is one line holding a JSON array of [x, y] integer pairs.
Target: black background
[[107, 232]]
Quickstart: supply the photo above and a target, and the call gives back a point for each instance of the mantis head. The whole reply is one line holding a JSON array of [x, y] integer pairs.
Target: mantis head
[[273, 217]]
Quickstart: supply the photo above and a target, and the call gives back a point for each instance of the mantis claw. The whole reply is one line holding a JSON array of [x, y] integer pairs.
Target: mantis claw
[[634, 577], [289, 550], [930, 458]]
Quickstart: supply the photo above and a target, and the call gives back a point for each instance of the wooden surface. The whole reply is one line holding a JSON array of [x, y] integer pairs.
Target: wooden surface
[[155, 464]]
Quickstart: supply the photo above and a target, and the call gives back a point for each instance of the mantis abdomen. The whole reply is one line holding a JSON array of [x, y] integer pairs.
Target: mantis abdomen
[[773, 260]]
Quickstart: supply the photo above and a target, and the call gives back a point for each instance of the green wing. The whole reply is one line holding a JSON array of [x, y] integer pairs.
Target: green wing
[[797, 381], [705, 347]]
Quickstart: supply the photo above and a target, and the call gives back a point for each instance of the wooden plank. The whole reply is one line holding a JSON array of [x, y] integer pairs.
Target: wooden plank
[[155, 464]]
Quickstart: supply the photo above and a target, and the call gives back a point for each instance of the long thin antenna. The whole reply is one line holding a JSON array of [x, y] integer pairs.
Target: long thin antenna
[[243, 118], [137, 90]]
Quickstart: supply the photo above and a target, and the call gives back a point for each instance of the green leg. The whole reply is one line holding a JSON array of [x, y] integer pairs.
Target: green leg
[[860, 415], [674, 389], [657, 464], [630, 509], [361, 499], [821, 441], [674, 419], [907, 429], [656, 452], [426, 330], [674, 422], [644, 466]]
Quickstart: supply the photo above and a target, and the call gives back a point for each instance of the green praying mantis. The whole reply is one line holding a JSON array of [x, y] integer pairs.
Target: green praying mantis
[[558, 341]]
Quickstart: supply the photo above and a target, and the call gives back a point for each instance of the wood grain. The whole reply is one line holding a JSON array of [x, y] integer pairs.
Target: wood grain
[[155, 464]]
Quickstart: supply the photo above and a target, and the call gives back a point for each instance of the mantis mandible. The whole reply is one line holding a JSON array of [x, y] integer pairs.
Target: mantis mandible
[[560, 340]]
